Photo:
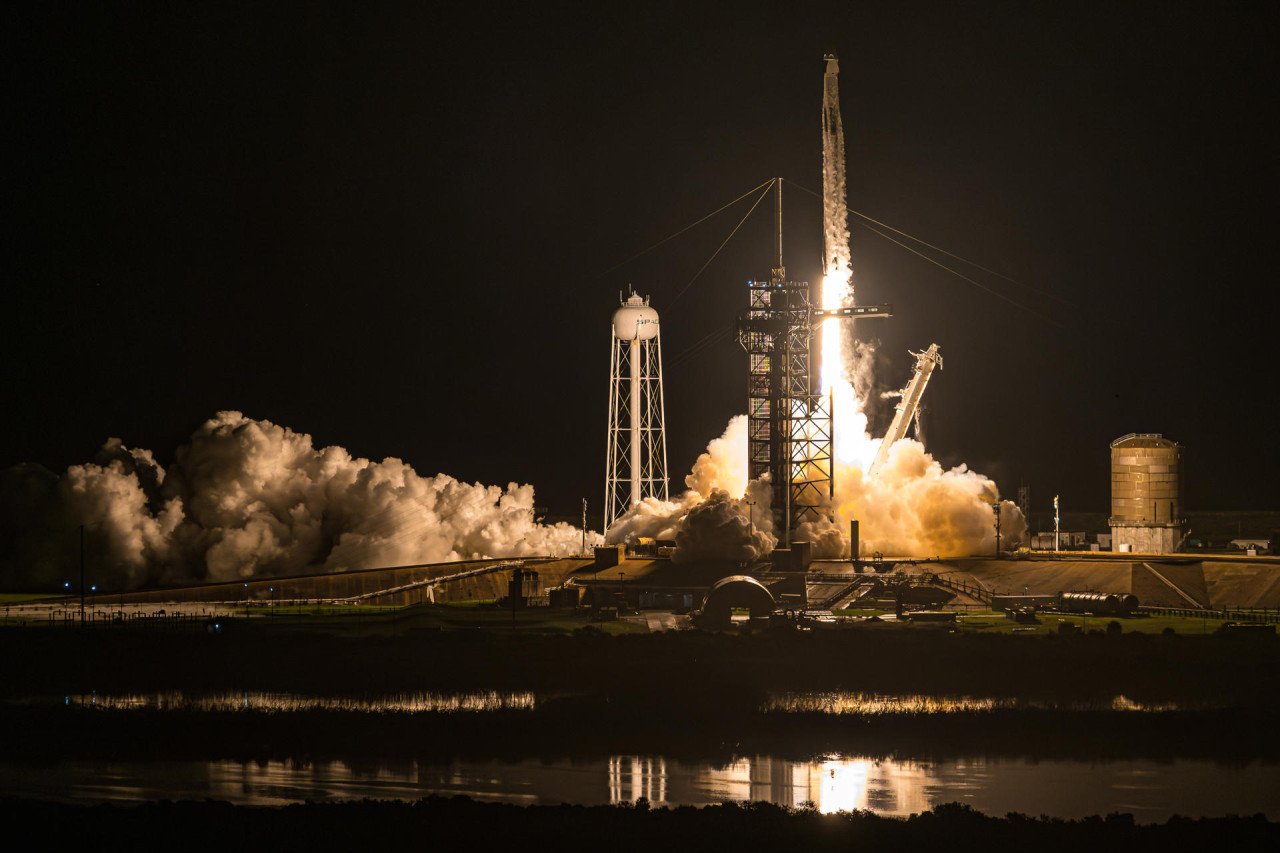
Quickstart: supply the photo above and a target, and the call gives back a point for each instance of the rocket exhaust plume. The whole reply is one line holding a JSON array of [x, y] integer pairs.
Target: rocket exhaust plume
[[912, 507], [838, 349], [247, 498]]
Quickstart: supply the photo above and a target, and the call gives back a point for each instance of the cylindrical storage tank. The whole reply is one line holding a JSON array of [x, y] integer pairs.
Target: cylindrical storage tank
[[635, 320], [1145, 481], [1102, 603]]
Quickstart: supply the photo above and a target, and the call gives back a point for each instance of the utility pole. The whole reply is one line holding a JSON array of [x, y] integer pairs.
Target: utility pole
[[82, 574], [1024, 504], [584, 526], [1056, 520]]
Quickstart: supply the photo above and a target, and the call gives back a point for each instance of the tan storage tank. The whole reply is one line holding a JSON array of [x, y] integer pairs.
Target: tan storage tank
[[1146, 493]]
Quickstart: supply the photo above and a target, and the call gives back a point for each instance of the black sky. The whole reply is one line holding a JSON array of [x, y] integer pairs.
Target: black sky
[[392, 227]]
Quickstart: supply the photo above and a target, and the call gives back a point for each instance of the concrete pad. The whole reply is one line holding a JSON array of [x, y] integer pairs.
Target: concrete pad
[[1238, 584]]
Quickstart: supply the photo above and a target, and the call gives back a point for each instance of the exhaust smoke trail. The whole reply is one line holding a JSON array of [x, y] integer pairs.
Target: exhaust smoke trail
[[912, 507], [839, 352]]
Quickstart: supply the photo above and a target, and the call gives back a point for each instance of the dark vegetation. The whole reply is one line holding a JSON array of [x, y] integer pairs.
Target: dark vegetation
[[463, 824]]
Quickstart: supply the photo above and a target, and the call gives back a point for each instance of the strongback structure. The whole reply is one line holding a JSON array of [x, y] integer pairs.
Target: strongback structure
[[788, 415], [908, 405], [637, 448]]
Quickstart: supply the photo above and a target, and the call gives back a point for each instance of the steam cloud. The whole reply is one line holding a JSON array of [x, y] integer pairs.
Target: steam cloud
[[913, 508], [247, 498], [708, 521]]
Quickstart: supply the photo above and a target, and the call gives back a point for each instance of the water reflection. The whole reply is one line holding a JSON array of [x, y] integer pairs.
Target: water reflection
[[820, 702], [841, 702], [1151, 791], [407, 703], [633, 778]]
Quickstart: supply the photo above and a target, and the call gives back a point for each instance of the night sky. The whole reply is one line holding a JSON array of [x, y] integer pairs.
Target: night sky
[[396, 228]]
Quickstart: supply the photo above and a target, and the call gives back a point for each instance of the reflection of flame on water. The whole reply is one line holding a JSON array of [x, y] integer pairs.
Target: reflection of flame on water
[[876, 704], [841, 785]]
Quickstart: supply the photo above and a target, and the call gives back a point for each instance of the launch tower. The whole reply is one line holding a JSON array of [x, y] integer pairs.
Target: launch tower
[[788, 414], [788, 418]]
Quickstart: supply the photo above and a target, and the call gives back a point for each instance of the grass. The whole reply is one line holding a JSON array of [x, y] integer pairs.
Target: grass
[[996, 623], [347, 619], [364, 619], [452, 616]]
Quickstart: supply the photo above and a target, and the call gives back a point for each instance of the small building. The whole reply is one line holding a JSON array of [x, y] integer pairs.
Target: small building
[[608, 556], [524, 589], [1252, 547], [1067, 540]]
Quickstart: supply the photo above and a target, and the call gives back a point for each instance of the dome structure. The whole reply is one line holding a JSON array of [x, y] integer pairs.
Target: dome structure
[[635, 320]]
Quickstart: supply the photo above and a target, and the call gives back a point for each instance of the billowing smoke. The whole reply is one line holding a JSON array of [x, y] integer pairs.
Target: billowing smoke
[[915, 508], [247, 498], [912, 508], [721, 516]]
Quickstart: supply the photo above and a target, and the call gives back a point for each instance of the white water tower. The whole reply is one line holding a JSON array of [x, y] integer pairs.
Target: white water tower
[[637, 461]]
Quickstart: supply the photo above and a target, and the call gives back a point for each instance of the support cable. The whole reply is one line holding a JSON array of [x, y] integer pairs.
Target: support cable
[[974, 264], [767, 186], [707, 340], [1048, 319], [687, 227]]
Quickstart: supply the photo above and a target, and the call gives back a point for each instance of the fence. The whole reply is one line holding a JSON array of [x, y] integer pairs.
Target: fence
[[1262, 614], [205, 619]]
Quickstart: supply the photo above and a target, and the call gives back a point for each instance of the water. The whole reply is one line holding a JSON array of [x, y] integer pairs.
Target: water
[[824, 702], [220, 702], [879, 704], [1151, 791]]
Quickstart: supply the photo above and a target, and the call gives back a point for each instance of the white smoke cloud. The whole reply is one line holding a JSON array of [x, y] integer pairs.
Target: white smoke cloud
[[247, 498], [722, 515], [724, 465], [110, 499], [913, 508]]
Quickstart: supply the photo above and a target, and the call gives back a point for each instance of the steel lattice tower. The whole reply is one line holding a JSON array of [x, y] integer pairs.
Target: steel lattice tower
[[637, 447], [789, 418]]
